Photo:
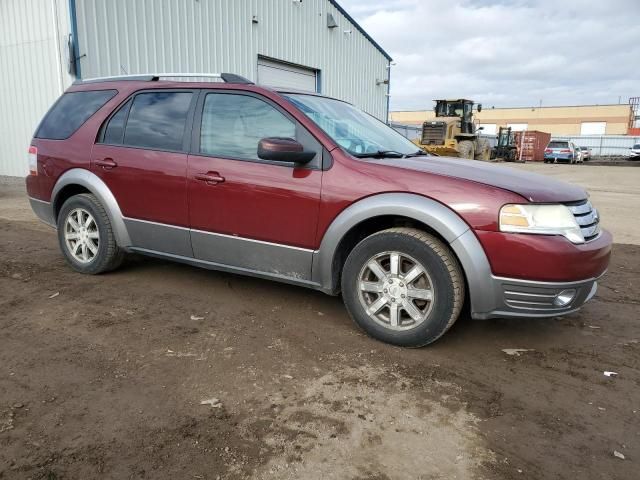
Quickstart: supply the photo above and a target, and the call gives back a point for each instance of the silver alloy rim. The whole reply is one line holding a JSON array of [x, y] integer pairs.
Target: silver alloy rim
[[81, 235], [396, 290]]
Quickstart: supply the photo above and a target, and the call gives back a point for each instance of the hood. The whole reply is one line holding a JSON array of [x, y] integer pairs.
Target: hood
[[533, 187]]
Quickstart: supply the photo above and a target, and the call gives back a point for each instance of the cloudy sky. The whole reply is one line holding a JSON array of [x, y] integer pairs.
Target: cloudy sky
[[507, 53]]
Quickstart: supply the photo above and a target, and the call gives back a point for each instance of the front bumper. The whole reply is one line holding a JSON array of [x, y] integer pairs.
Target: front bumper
[[531, 299], [558, 158]]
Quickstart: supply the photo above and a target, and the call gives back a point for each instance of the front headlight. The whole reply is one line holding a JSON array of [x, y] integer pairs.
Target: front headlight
[[540, 219]]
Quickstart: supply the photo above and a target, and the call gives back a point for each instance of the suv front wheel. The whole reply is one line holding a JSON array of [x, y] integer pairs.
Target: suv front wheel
[[403, 286], [86, 236]]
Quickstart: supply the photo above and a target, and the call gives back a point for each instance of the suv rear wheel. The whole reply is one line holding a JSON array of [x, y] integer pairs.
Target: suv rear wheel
[[86, 237], [403, 286]]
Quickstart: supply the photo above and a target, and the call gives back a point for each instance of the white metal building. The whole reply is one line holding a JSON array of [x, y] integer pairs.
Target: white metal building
[[307, 44]]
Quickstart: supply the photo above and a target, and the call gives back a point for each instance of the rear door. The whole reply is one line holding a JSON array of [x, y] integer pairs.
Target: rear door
[[252, 214], [141, 156]]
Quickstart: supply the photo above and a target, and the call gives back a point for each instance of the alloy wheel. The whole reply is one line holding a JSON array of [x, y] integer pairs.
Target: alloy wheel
[[396, 290], [81, 235]]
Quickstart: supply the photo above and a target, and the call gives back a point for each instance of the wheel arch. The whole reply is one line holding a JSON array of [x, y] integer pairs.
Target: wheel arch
[[400, 209], [78, 180]]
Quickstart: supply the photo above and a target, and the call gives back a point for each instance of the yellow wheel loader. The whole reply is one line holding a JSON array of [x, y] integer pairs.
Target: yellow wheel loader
[[453, 132]]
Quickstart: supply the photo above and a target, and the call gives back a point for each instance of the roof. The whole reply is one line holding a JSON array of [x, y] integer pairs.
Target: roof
[[155, 77], [360, 29]]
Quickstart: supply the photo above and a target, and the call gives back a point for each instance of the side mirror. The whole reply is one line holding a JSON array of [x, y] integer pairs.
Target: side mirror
[[282, 149], [480, 128], [479, 107]]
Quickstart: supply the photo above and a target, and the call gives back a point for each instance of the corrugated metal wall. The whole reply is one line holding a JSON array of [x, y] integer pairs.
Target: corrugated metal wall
[[138, 36], [32, 49], [145, 36]]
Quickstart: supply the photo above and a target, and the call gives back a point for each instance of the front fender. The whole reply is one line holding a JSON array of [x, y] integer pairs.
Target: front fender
[[93, 183], [455, 231]]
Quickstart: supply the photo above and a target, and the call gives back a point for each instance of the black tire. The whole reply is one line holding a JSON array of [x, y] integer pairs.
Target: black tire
[[482, 150], [446, 278], [466, 149], [108, 256]]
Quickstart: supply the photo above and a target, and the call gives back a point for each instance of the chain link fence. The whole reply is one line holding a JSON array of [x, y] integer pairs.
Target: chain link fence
[[603, 145]]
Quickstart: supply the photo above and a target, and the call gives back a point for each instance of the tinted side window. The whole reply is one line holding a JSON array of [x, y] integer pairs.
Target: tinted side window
[[232, 125], [71, 111], [114, 132], [157, 120]]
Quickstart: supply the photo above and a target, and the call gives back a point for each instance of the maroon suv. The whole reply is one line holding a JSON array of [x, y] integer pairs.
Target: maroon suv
[[306, 189]]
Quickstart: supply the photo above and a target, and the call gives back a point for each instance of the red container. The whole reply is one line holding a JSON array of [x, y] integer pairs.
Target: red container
[[531, 148]]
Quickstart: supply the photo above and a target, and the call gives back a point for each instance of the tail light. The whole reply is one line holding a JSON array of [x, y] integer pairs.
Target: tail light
[[565, 150], [548, 150], [33, 160]]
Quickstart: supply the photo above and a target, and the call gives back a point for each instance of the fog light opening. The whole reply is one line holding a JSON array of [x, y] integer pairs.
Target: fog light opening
[[564, 298]]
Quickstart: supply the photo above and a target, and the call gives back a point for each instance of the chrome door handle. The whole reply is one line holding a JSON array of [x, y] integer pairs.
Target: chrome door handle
[[211, 178], [106, 163]]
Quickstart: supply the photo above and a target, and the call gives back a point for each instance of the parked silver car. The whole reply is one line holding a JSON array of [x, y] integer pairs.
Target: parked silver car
[[562, 151], [586, 153], [635, 152]]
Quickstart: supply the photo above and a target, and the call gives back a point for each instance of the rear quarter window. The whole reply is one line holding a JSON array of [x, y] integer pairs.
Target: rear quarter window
[[70, 112], [157, 120]]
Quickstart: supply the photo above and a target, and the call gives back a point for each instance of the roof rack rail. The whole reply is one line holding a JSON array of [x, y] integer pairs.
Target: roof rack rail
[[154, 77]]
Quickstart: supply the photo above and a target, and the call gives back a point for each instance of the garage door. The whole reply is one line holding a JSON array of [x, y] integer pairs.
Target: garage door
[[283, 75], [593, 128]]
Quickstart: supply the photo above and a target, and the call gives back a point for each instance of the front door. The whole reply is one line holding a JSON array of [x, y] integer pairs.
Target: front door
[[141, 157], [254, 215]]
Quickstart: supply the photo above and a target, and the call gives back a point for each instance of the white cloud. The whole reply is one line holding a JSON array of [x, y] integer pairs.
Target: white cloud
[[507, 53]]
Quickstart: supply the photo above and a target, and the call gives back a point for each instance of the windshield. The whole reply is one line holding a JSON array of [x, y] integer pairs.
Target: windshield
[[354, 130], [452, 109]]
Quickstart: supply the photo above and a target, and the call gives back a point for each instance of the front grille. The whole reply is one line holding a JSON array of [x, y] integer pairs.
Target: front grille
[[433, 133], [588, 219]]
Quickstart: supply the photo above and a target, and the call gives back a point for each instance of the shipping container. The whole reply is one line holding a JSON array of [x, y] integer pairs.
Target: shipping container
[[531, 144]]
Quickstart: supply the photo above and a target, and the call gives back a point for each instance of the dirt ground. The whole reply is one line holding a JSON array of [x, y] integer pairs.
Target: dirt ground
[[105, 376]]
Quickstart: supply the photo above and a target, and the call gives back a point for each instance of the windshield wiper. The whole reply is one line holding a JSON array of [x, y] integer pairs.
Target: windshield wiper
[[418, 153], [380, 154]]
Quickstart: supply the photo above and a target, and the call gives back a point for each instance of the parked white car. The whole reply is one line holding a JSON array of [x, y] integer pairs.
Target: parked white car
[[586, 153], [579, 155], [635, 152]]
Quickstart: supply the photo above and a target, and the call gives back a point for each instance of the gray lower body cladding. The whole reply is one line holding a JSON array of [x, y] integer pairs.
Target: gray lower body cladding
[[515, 298], [490, 296], [43, 210]]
